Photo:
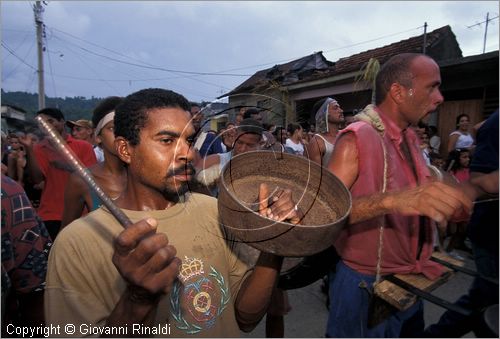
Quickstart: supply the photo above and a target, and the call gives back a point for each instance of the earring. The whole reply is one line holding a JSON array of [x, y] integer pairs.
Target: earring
[[410, 92]]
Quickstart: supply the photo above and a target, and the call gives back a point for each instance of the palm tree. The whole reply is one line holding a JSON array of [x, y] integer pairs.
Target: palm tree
[[369, 74]]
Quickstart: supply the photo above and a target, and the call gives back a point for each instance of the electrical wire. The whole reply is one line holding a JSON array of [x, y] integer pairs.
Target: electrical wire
[[183, 73], [19, 64], [146, 65], [376, 39], [239, 68], [31, 82], [95, 60], [482, 22], [67, 44], [149, 67], [17, 56], [186, 90], [92, 69], [50, 64], [89, 79], [19, 45], [158, 68]]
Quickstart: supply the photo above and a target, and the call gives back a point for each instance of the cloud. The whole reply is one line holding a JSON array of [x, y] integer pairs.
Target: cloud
[[215, 36], [60, 14]]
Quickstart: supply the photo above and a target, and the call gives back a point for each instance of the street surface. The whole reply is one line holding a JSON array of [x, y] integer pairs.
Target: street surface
[[309, 314]]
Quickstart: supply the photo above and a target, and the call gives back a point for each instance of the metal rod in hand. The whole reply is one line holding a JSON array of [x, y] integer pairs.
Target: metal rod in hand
[[84, 173]]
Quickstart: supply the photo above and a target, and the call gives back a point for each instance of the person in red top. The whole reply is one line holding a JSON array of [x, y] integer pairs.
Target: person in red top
[[47, 164], [458, 166], [379, 160]]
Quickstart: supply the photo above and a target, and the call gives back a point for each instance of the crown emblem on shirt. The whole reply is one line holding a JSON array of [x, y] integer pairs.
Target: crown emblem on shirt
[[190, 267]]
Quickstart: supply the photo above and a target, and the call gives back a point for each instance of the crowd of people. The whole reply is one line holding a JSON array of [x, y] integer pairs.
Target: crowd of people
[[175, 266]]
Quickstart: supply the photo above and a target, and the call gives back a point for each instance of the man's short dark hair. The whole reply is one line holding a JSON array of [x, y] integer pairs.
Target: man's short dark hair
[[433, 129], [52, 112], [104, 107], [250, 126], [132, 113], [460, 116], [292, 127], [395, 70]]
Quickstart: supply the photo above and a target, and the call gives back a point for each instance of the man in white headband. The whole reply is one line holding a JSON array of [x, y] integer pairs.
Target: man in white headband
[[99, 153], [328, 117], [109, 174]]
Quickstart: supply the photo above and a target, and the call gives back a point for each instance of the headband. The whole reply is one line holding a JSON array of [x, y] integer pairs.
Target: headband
[[107, 118]]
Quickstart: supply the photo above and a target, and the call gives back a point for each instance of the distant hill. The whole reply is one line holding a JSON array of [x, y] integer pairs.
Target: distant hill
[[73, 108]]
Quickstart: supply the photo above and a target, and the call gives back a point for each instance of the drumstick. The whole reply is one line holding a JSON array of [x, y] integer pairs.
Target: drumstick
[[84, 173], [485, 200]]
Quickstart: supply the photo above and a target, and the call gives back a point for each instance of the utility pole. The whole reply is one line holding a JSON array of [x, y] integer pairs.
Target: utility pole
[[425, 38], [486, 31], [487, 21], [38, 10]]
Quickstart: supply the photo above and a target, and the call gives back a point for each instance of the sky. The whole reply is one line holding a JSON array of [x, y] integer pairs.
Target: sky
[[205, 49]]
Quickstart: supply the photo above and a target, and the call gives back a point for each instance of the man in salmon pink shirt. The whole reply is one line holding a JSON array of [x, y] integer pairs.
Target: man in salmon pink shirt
[[379, 160]]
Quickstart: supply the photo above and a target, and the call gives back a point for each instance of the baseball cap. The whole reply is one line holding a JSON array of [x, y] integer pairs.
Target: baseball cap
[[81, 123]]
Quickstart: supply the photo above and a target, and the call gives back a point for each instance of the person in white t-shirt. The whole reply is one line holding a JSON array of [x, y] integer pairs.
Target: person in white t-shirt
[[461, 138], [294, 140]]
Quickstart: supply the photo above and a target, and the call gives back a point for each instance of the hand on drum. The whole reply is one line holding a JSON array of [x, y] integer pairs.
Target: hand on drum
[[278, 205]]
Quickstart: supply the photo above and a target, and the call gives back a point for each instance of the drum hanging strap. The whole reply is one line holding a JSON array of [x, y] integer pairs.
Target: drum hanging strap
[[379, 309], [370, 116], [382, 224]]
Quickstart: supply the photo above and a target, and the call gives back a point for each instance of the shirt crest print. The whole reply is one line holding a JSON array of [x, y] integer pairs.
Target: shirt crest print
[[198, 298]]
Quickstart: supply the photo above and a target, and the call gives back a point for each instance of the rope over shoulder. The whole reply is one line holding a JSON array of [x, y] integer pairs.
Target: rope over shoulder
[[370, 116]]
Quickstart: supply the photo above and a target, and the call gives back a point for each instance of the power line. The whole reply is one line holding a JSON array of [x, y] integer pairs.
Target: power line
[[327, 51], [92, 69], [120, 54], [20, 44], [107, 65], [184, 74], [223, 72], [158, 68], [25, 57], [149, 66], [112, 59], [50, 65], [487, 21], [128, 57], [88, 79], [69, 43], [367, 41], [128, 80], [30, 82], [18, 57], [482, 22]]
